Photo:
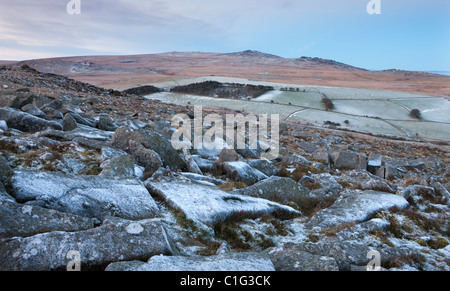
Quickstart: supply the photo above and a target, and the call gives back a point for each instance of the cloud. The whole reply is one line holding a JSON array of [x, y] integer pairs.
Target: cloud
[[136, 26], [104, 27]]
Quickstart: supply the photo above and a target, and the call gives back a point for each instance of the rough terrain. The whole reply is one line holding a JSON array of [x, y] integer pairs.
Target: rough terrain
[[91, 170]]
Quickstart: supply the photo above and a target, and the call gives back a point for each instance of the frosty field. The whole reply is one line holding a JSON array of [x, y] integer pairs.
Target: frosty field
[[362, 110]]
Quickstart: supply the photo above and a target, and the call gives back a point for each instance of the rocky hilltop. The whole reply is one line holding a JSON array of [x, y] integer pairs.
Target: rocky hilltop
[[90, 171]]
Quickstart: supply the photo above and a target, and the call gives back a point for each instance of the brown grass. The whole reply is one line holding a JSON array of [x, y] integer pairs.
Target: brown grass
[[332, 231], [414, 259], [411, 181], [232, 185], [311, 206], [350, 185]]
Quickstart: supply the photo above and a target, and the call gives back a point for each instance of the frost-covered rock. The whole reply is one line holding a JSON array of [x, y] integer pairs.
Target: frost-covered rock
[[4, 195], [295, 160], [361, 230], [419, 194], [227, 155], [327, 182], [149, 140], [33, 110], [356, 206], [146, 158], [26, 122], [16, 99], [348, 255], [5, 170], [82, 120], [228, 262], [374, 162], [200, 179], [115, 240], [109, 153], [210, 205], [346, 159], [89, 133], [69, 122], [264, 166], [191, 165], [90, 196], [205, 165], [241, 171], [211, 149], [290, 258], [3, 125], [25, 220], [106, 123], [119, 167], [377, 185], [277, 189], [443, 192]]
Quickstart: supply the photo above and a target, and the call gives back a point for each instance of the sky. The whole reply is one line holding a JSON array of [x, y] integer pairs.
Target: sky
[[407, 34]]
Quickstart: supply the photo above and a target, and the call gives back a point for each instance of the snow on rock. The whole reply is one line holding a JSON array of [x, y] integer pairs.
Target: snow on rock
[[210, 205], [196, 178], [264, 166], [241, 171], [115, 240], [25, 220], [277, 189], [355, 206], [290, 258], [26, 122], [89, 196], [3, 125], [228, 262]]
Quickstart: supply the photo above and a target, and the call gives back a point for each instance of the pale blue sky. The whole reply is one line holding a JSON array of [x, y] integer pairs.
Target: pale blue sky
[[408, 34]]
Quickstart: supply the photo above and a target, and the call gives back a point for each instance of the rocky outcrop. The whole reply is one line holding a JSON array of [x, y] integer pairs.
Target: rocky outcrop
[[33, 110], [264, 166], [26, 122], [345, 159], [149, 140], [5, 170], [119, 166], [106, 123], [114, 240], [355, 206], [279, 189], [91, 173], [69, 123], [239, 262], [212, 206], [290, 257], [145, 157], [88, 196], [25, 220], [240, 171]]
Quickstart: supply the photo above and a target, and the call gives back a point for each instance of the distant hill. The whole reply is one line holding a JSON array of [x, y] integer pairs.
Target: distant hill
[[332, 63], [132, 71], [2, 63], [252, 53]]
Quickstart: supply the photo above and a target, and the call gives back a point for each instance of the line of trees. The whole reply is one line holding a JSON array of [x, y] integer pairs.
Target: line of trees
[[223, 90]]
